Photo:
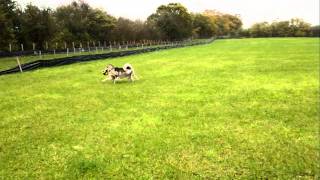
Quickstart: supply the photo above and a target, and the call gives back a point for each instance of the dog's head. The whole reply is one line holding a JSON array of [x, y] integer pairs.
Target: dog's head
[[108, 68]]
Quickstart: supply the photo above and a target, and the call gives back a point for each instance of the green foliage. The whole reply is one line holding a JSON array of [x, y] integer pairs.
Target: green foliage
[[37, 26], [7, 8], [293, 28], [234, 109], [261, 30], [281, 29], [299, 28], [315, 31], [90, 24], [100, 25], [173, 20], [201, 26], [125, 30]]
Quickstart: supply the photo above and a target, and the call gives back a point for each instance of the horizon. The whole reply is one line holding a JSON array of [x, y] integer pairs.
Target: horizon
[[250, 11]]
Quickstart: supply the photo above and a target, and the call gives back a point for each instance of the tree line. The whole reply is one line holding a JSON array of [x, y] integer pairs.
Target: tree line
[[291, 28], [81, 25], [78, 24]]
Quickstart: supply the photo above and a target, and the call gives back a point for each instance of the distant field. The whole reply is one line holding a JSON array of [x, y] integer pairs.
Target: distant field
[[232, 109]]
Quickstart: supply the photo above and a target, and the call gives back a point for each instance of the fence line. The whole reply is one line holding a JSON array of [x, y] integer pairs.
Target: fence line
[[78, 46]]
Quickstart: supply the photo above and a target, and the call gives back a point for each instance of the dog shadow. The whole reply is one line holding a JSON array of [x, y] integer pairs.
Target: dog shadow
[[123, 82]]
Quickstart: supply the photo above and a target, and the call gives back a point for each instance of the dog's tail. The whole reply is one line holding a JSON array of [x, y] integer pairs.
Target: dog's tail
[[129, 69]]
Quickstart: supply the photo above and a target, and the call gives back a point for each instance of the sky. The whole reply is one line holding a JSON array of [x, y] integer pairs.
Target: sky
[[250, 11]]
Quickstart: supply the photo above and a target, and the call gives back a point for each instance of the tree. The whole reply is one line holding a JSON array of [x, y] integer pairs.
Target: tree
[[173, 20], [36, 26], [201, 26], [73, 21], [100, 25], [223, 24], [293, 28], [280, 29], [7, 8], [244, 33], [299, 28], [261, 30], [123, 30], [79, 22], [315, 31], [234, 24]]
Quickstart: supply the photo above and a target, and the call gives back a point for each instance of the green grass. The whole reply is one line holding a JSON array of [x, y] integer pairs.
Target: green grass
[[232, 109]]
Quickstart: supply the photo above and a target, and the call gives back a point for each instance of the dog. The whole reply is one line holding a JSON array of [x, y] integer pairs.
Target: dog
[[114, 73]]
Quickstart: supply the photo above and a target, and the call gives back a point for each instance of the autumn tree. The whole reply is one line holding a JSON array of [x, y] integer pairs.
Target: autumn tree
[[201, 26]]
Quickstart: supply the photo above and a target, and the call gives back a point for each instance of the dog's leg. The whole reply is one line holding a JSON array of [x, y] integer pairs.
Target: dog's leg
[[114, 80], [130, 78]]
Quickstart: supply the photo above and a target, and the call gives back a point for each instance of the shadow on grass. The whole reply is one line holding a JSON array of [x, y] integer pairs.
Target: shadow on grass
[[123, 82], [80, 166]]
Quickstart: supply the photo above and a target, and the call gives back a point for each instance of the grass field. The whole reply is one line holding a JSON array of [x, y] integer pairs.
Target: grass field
[[232, 109]]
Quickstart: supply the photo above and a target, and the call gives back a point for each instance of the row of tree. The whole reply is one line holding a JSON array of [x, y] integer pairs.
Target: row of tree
[[78, 23], [291, 28]]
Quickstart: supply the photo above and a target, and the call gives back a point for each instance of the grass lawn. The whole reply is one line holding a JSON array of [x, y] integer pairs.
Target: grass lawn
[[231, 109]]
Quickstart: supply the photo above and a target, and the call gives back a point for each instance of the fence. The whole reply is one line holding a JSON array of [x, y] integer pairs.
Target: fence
[[82, 58], [77, 47]]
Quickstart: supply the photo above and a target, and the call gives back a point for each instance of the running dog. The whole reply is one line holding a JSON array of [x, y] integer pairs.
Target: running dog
[[115, 73]]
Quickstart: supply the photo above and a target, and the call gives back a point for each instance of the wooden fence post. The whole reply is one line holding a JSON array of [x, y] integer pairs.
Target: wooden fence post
[[19, 64]]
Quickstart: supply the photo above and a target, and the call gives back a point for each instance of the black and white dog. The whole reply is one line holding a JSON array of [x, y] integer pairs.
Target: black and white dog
[[114, 73]]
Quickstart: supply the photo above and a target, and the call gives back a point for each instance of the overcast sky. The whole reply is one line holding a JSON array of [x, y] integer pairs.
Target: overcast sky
[[251, 11]]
